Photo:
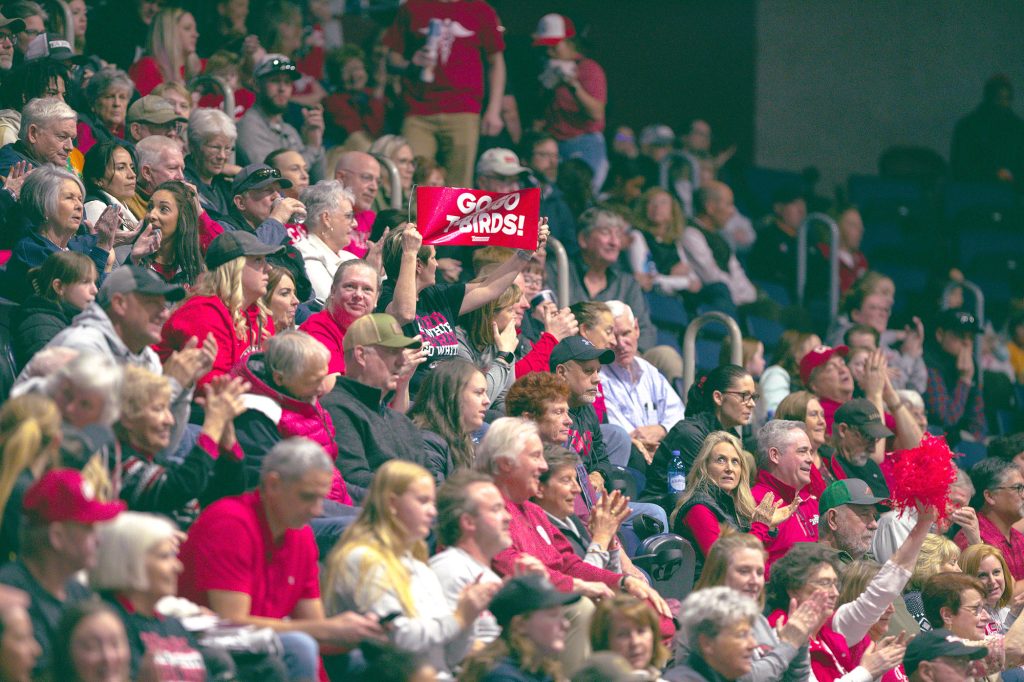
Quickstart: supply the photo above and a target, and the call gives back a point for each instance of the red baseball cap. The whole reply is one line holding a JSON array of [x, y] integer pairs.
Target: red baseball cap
[[553, 29], [63, 495], [817, 357]]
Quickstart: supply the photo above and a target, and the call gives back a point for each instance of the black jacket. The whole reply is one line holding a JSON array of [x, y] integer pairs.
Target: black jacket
[[687, 436], [36, 322]]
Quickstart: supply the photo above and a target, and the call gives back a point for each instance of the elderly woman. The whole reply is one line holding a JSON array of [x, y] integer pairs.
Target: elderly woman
[[106, 97], [52, 200], [291, 166], [487, 336], [109, 174], [171, 52], [803, 406], [137, 566], [629, 627], [379, 566], [91, 644], [330, 219], [280, 299], [717, 626], [542, 398], [397, 149], [211, 147], [987, 564]]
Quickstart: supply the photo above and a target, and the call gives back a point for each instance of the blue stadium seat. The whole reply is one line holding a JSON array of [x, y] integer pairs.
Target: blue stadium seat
[[774, 291], [707, 354], [886, 200], [765, 329], [670, 561], [964, 196], [666, 311], [972, 453], [763, 183]]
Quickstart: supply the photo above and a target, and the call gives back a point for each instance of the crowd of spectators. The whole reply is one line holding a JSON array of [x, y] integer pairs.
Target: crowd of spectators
[[255, 428]]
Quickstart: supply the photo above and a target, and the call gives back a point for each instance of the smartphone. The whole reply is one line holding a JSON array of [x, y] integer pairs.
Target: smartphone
[[389, 617]]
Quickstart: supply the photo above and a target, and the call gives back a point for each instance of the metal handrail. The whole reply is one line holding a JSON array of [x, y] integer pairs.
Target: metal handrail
[[396, 180], [690, 344], [562, 260], [979, 315], [218, 83], [69, 22], [833, 261]]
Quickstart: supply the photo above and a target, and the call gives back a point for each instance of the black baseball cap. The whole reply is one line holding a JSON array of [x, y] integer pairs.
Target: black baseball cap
[[53, 46], [525, 594], [862, 414], [257, 176], [234, 244], [958, 321], [276, 63], [847, 491], [579, 349], [128, 278], [932, 644]]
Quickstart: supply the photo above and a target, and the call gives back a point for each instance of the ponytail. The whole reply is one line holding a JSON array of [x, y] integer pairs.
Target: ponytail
[[28, 426], [701, 396]]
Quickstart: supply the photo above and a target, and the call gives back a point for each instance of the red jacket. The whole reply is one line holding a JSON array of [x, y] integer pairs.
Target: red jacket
[[802, 526], [328, 330], [537, 359], [831, 657]]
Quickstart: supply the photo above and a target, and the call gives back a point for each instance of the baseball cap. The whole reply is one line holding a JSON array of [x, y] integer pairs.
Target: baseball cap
[[498, 161], [63, 495], [234, 244], [276, 63], [553, 29], [153, 109], [377, 329], [128, 278], [579, 349], [932, 644], [847, 491], [817, 357], [13, 24], [862, 414], [957, 321], [257, 176], [526, 593], [51, 46], [657, 134]]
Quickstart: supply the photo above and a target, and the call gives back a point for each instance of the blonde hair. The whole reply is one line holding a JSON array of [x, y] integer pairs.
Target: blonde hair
[[970, 563], [139, 390], [700, 479], [381, 536], [121, 553], [716, 565], [936, 551], [677, 224], [30, 429], [225, 282], [164, 45]]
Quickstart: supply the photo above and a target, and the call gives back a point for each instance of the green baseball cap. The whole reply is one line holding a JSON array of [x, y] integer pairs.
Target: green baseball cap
[[847, 491]]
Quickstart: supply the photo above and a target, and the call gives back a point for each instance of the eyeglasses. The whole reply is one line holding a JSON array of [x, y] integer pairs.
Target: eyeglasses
[[219, 148], [745, 396], [1019, 488], [6, 37], [823, 584], [976, 609], [31, 32]]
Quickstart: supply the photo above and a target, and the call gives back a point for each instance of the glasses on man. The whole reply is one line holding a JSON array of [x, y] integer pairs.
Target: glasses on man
[[6, 37], [1019, 488], [745, 396]]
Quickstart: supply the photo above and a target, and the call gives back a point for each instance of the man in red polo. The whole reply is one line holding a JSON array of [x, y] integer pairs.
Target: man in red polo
[[353, 294], [999, 499], [253, 559]]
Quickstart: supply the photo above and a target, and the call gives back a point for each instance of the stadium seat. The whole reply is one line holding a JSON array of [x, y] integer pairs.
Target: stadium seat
[[8, 367], [972, 453], [964, 196], [763, 183], [765, 329], [707, 354], [670, 561], [666, 311], [775, 291]]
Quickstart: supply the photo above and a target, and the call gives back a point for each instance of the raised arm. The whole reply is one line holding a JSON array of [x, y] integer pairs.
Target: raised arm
[[492, 286]]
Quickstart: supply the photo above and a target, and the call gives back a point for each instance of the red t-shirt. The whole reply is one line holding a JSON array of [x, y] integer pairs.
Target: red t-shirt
[[230, 548], [244, 99], [468, 28], [342, 111], [565, 116], [146, 74]]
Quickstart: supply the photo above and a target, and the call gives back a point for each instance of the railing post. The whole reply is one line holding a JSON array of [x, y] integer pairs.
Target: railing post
[[396, 180], [690, 344], [833, 261], [228, 105], [562, 259], [69, 23]]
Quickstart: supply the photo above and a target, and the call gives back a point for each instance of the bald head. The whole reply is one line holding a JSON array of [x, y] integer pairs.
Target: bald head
[[715, 200], [360, 173]]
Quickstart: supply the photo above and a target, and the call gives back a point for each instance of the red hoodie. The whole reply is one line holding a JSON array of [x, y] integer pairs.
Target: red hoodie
[[802, 526]]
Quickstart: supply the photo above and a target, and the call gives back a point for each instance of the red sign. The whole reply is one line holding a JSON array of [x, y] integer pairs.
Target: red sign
[[449, 216]]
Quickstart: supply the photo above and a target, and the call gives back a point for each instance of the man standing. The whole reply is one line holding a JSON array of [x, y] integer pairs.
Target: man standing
[[263, 129], [438, 47], [360, 174], [848, 518], [540, 151]]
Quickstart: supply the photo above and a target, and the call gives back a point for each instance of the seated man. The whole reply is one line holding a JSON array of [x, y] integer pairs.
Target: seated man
[[58, 541], [359, 172], [848, 518], [953, 397], [934, 654], [353, 294], [774, 255], [153, 115], [998, 495], [858, 436], [253, 560]]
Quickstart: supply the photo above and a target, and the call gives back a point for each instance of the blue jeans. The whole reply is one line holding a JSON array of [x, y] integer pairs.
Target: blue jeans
[[630, 540], [592, 149], [301, 656], [329, 526]]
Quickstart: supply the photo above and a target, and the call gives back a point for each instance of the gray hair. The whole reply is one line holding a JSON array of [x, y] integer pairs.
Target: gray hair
[[151, 149], [92, 373], [911, 396], [205, 124], [388, 145], [776, 433], [620, 309], [43, 112], [710, 611], [122, 548], [504, 441], [293, 458], [41, 192], [597, 217], [293, 352], [324, 196], [964, 482], [107, 79]]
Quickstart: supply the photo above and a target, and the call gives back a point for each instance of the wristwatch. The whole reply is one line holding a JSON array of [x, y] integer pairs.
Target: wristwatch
[[509, 358]]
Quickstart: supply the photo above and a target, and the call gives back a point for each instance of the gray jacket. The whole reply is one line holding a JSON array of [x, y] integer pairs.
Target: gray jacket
[[257, 137], [774, 659]]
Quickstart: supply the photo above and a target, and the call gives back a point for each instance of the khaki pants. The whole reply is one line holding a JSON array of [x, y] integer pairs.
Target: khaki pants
[[577, 640], [451, 139]]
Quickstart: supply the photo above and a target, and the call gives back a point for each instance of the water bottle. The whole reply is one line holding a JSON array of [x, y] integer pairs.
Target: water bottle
[[676, 474], [432, 45]]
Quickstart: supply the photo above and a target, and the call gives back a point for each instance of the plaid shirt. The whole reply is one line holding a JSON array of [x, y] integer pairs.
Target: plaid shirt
[[961, 409]]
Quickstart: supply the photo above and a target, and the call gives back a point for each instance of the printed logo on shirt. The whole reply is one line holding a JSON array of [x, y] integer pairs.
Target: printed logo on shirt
[[173, 658], [450, 30], [438, 334], [581, 442]]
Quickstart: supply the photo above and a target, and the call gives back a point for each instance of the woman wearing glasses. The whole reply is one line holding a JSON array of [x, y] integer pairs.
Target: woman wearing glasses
[[211, 147], [329, 224]]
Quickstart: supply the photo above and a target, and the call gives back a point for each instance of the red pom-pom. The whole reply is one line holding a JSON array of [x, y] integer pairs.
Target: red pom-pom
[[922, 475]]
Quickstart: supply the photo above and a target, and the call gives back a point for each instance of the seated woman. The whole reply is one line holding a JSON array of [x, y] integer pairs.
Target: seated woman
[[718, 496], [329, 223], [450, 407], [987, 564], [64, 285], [106, 102], [173, 211], [280, 299], [211, 146], [396, 148], [855, 580], [629, 627], [379, 566], [487, 337], [782, 377], [30, 436], [109, 174], [211, 470], [226, 303], [802, 406], [91, 644], [19, 649], [656, 252], [717, 626], [170, 51], [137, 566], [52, 201], [939, 554]]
